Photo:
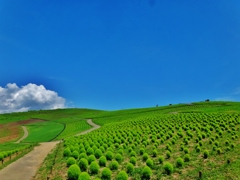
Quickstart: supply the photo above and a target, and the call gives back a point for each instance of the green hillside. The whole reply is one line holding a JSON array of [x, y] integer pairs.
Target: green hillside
[[181, 141]]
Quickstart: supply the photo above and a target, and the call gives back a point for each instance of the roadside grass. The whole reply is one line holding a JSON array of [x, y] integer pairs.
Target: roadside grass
[[43, 131], [54, 166]]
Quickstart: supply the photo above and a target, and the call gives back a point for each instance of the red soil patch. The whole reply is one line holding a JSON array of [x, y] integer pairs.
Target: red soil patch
[[12, 131]]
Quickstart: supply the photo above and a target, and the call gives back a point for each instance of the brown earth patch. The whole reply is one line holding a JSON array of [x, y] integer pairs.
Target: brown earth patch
[[12, 131]]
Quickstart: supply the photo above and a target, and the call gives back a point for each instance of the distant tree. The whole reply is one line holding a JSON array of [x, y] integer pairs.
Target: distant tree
[[207, 100], [170, 104], [157, 105]]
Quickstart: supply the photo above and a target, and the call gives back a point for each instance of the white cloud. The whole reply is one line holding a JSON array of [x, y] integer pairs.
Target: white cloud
[[29, 97]]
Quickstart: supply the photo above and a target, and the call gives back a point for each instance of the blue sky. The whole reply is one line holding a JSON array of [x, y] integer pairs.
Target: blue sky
[[124, 53]]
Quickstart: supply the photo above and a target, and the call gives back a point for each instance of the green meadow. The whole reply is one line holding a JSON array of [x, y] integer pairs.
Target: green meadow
[[184, 141]]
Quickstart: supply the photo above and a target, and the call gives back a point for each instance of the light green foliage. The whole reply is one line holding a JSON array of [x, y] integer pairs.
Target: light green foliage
[[205, 154], [133, 160], [186, 158], [73, 172], [102, 161], [98, 153], [109, 155], [145, 156], [114, 165], [149, 163], [106, 174], [179, 162], [83, 164], [122, 175], [168, 167], [75, 154], [70, 161], [91, 158], [146, 173], [67, 152], [118, 158], [130, 168], [84, 176], [94, 167]]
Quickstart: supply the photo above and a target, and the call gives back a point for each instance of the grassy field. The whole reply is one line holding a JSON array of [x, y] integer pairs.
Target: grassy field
[[182, 141], [43, 131], [171, 142]]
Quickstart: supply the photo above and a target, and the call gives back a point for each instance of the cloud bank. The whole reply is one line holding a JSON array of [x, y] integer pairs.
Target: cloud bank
[[29, 97]]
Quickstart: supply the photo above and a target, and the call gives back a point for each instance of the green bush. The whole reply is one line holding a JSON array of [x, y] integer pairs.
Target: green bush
[[106, 174], [145, 156], [70, 161], [149, 163], [133, 160], [83, 155], [109, 155], [186, 158], [73, 172], [120, 151], [146, 173], [122, 175], [94, 167], [219, 151], [98, 153], [83, 164], [205, 154], [198, 149], [118, 158], [160, 159], [67, 152], [90, 151], [168, 167], [84, 176], [133, 153], [82, 150], [130, 168], [168, 154], [232, 145], [186, 150], [179, 162], [102, 161], [114, 165], [154, 153], [227, 142], [91, 158], [75, 154], [141, 151]]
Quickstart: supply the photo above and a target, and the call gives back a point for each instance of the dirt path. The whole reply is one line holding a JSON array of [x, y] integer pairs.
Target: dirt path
[[94, 127], [24, 135], [26, 167]]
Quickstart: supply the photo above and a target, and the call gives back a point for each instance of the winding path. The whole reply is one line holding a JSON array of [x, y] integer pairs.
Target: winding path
[[94, 127], [24, 135], [26, 167]]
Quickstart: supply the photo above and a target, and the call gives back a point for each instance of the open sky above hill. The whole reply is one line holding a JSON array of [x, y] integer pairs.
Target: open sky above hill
[[118, 54]]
